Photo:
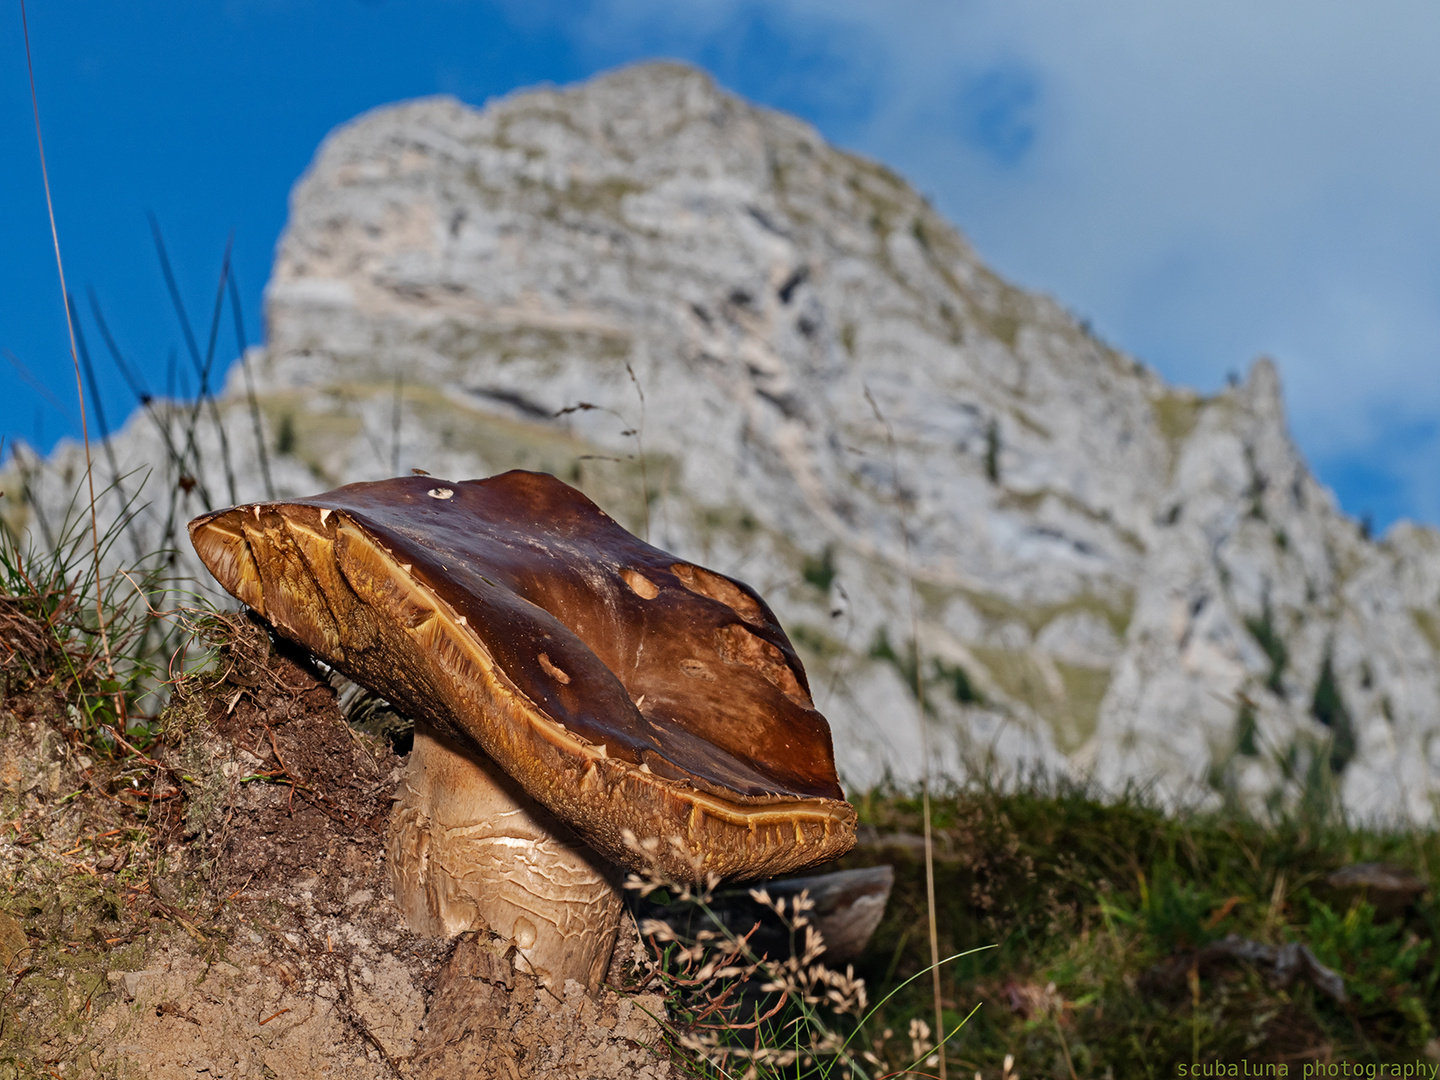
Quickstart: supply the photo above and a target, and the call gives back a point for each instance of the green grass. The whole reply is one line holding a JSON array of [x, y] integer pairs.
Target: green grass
[[1095, 910], [52, 631], [1078, 927]]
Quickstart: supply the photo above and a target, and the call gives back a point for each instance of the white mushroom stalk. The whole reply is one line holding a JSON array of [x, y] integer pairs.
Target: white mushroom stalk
[[469, 849]]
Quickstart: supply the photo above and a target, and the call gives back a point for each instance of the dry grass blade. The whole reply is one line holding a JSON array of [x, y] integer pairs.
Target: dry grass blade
[[29, 379], [206, 393], [129, 374], [74, 356], [254, 403], [395, 412], [96, 402], [639, 433], [628, 431], [24, 638], [31, 498], [161, 415], [924, 730], [737, 1012], [203, 365]]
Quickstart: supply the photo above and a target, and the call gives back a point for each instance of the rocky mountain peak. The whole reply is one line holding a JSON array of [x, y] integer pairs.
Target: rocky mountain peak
[[777, 359]]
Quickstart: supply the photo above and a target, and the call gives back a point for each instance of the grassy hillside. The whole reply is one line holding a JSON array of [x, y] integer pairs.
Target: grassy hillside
[[1108, 919]]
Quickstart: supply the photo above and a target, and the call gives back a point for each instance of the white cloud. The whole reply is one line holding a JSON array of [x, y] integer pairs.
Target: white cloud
[[1206, 181]]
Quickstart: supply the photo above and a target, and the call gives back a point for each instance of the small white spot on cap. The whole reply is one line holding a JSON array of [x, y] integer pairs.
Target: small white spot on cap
[[405, 566], [441, 493], [462, 621]]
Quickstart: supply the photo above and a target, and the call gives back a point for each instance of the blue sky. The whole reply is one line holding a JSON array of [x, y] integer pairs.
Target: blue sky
[[1203, 181]]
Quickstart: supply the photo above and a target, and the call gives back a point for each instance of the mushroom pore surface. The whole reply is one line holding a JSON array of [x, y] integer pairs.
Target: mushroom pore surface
[[630, 693]]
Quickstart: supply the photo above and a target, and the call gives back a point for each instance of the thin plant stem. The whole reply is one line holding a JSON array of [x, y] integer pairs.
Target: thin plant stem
[[75, 360], [143, 396], [886, 999], [202, 366], [395, 424], [205, 390], [629, 432], [191, 449], [106, 442], [1065, 1046], [244, 348], [153, 409], [924, 732], [28, 377], [131, 376], [174, 289], [31, 498], [640, 449]]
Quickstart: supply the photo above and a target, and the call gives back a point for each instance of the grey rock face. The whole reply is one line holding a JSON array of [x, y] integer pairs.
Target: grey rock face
[[778, 360]]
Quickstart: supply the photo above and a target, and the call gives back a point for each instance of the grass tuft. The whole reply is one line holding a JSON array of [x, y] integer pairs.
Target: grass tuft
[[97, 641]]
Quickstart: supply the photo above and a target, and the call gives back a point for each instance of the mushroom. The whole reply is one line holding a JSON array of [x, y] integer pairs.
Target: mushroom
[[581, 699]]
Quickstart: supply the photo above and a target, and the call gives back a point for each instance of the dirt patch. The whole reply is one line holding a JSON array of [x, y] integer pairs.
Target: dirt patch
[[486, 1018], [223, 908]]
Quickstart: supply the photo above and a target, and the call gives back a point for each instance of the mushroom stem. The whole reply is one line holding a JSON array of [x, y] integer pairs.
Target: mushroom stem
[[470, 850]]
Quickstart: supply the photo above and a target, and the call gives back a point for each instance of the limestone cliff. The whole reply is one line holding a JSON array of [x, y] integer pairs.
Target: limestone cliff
[[777, 359]]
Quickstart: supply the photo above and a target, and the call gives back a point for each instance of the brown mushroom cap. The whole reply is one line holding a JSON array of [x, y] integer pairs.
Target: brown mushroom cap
[[624, 689]]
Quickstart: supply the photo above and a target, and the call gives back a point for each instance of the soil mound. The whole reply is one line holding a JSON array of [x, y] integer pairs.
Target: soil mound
[[222, 906]]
